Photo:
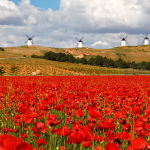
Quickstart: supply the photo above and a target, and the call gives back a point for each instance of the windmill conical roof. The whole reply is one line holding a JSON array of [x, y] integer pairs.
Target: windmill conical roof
[[29, 39], [123, 39], [146, 38]]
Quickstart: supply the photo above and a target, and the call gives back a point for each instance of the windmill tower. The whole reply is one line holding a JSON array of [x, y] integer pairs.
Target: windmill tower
[[30, 41], [123, 41], [146, 40], [80, 42]]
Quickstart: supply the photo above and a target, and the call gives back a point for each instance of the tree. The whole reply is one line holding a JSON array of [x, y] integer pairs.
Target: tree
[[98, 61], [83, 60], [134, 65], [90, 61], [148, 66], [77, 60], [71, 59]]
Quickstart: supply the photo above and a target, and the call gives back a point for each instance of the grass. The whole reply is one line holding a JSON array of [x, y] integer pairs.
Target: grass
[[28, 65], [128, 53], [14, 56]]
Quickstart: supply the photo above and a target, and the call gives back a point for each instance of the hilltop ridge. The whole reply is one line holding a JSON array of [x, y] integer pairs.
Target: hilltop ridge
[[127, 53]]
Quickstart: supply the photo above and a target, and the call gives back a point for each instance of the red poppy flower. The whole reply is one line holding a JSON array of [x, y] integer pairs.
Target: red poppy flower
[[108, 110], [80, 136], [139, 143], [87, 144], [44, 129], [62, 148], [9, 142], [110, 136], [52, 122], [124, 135], [126, 127], [136, 110], [63, 131], [51, 117], [40, 124], [98, 148], [41, 142], [95, 114], [80, 113], [99, 138], [59, 107], [139, 125], [112, 146], [35, 129], [42, 148], [23, 135], [77, 137], [108, 124]]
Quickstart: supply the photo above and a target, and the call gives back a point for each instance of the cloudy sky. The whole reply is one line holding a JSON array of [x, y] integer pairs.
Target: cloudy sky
[[56, 23]]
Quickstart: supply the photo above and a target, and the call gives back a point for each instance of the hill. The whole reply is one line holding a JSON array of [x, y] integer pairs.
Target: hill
[[128, 53], [20, 58]]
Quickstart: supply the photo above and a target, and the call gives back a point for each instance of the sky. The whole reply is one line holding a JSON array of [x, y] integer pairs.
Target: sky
[[56, 23], [44, 4]]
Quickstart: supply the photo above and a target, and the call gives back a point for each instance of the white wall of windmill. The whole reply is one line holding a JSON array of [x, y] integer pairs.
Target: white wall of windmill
[[146, 42], [123, 43], [30, 42], [80, 44]]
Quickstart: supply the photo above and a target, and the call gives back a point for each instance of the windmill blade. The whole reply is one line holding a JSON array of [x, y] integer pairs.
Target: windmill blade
[[26, 41], [77, 39], [27, 36], [120, 37], [143, 37], [82, 38], [143, 41], [146, 34], [127, 42], [126, 37], [33, 36]]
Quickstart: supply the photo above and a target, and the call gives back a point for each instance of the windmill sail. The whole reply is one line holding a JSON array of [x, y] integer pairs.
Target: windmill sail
[[30, 40], [146, 40]]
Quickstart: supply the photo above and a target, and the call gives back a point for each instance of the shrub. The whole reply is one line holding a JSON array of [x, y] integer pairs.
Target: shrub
[[1, 49], [24, 55], [33, 56], [2, 71], [14, 69]]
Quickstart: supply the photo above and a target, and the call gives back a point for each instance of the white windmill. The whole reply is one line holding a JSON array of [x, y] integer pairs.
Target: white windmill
[[80, 42], [123, 41], [30, 41], [146, 40]]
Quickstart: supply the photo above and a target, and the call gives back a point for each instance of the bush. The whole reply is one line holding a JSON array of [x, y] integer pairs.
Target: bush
[[14, 69], [24, 55], [2, 71], [77, 60], [90, 61], [33, 56], [83, 60], [1, 49]]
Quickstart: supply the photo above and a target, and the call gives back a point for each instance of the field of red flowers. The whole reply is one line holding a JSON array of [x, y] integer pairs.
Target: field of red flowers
[[75, 113]]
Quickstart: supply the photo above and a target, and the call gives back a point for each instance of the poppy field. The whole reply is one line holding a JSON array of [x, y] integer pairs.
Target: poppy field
[[75, 113]]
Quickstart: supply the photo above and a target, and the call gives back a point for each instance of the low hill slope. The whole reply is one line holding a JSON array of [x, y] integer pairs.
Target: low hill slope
[[127, 53]]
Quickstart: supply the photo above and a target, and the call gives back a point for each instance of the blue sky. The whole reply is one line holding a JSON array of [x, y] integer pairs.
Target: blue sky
[[53, 4]]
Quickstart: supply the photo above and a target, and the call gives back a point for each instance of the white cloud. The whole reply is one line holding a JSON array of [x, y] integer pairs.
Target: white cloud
[[100, 43], [100, 22]]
